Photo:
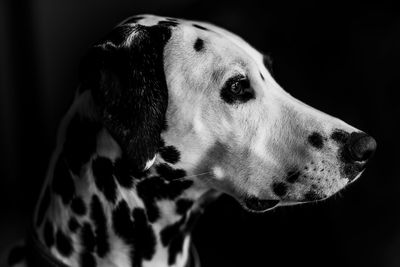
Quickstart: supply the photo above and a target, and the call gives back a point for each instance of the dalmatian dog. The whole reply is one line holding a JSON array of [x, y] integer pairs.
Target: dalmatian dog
[[169, 114]]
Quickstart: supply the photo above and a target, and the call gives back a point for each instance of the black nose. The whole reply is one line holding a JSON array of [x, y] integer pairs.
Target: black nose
[[361, 146]]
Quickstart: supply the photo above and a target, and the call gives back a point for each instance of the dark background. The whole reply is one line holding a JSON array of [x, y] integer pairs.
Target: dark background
[[340, 57]]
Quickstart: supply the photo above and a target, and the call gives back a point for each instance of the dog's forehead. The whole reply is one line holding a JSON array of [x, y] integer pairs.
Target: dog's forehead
[[200, 36]]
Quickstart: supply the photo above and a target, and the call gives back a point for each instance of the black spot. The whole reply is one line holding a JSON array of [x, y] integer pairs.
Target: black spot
[[103, 173], [138, 233], [293, 176], [122, 223], [133, 19], [99, 219], [173, 237], [170, 154], [78, 206], [123, 173], [73, 224], [87, 260], [198, 44], [316, 140], [151, 209], [311, 196], [169, 173], [145, 240], [48, 234], [183, 205], [170, 231], [43, 206], [168, 23], [340, 136], [87, 238], [123, 227], [279, 188], [63, 184], [237, 90], [63, 243], [153, 188], [175, 247], [80, 142], [200, 27], [16, 255]]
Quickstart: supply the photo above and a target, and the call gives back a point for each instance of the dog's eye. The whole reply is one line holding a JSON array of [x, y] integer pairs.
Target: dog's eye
[[237, 90], [239, 86]]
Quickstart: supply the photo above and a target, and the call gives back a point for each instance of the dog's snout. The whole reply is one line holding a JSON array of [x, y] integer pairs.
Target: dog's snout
[[361, 146]]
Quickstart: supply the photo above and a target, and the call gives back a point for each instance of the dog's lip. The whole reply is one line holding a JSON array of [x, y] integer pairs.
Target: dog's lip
[[256, 204]]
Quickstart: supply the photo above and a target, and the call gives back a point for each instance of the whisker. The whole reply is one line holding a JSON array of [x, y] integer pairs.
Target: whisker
[[191, 176]]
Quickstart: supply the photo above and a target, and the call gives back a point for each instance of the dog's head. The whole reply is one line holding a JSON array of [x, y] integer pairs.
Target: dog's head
[[210, 95]]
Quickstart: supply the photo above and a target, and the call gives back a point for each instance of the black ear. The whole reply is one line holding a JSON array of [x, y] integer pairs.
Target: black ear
[[125, 73]]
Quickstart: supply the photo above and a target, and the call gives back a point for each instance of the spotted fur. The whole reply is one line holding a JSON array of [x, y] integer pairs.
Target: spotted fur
[[169, 114]]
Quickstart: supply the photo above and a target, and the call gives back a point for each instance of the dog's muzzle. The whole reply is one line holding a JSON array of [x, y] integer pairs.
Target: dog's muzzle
[[355, 149]]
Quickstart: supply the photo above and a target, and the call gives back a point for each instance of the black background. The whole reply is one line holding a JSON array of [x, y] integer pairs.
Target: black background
[[340, 57]]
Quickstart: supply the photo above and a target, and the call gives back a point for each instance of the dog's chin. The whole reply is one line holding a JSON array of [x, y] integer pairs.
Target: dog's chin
[[254, 204]]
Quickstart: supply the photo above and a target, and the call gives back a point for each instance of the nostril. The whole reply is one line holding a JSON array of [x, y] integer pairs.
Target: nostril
[[361, 146]]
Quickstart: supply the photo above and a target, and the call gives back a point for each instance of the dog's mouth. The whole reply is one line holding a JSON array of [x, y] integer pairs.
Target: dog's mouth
[[313, 194], [255, 204]]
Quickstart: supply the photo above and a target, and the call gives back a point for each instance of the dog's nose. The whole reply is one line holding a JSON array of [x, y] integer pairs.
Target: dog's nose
[[361, 146]]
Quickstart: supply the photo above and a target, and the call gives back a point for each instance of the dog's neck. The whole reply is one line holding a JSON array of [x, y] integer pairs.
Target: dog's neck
[[95, 211]]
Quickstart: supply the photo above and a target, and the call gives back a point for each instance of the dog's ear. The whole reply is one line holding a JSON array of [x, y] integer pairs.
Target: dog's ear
[[125, 73]]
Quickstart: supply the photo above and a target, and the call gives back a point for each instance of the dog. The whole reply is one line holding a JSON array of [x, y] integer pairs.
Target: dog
[[170, 114]]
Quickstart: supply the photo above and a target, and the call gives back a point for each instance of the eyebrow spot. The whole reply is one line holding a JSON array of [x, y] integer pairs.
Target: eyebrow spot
[[198, 45]]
